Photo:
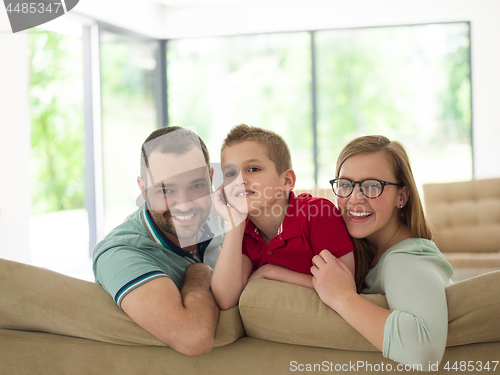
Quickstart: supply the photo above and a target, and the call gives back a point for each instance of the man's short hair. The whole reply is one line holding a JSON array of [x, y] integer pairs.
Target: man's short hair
[[170, 139], [274, 145]]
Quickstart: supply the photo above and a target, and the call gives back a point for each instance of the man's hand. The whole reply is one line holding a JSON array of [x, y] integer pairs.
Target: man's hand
[[185, 320]]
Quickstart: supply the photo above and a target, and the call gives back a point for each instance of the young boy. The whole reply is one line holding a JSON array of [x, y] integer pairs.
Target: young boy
[[282, 232]]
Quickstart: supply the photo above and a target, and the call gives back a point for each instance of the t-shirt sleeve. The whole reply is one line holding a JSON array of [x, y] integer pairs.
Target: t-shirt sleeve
[[327, 229], [122, 269], [416, 331]]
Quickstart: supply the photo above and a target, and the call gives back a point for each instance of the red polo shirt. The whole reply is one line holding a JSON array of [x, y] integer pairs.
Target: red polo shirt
[[311, 225]]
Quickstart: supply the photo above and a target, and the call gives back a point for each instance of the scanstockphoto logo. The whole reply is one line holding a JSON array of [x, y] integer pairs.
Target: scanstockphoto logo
[[24, 15]]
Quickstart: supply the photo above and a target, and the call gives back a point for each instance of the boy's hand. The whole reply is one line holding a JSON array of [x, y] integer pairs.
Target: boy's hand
[[230, 214], [332, 279]]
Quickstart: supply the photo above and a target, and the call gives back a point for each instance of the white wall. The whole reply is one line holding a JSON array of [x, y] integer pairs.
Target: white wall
[[15, 193], [143, 17]]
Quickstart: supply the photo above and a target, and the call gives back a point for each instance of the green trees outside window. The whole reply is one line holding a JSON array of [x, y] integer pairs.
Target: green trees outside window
[[59, 235], [261, 80], [57, 133], [410, 83], [128, 117]]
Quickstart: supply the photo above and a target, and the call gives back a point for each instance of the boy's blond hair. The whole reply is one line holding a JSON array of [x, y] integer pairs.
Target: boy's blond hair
[[274, 145]]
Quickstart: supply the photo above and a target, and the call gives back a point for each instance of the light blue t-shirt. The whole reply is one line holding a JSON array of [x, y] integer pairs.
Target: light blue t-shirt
[[413, 275], [136, 252]]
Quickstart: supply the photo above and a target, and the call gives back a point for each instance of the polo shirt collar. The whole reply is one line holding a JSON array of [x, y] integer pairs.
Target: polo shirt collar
[[154, 233], [290, 227]]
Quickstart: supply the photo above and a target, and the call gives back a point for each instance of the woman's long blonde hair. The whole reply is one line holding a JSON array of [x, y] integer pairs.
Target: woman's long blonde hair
[[412, 214]]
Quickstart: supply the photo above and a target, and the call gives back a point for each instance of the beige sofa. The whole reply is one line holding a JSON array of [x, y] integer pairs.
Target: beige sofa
[[54, 324], [466, 220]]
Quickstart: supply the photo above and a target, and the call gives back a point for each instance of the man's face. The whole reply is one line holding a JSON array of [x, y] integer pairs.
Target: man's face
[[178, 194]]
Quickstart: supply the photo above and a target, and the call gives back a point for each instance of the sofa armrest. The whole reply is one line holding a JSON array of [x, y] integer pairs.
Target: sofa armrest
[[40, 300]]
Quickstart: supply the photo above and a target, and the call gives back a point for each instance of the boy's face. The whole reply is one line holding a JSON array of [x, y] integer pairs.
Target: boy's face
[[257, 184]]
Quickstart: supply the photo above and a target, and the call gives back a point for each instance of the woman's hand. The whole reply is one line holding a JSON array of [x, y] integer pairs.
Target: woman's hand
[[332, 280], [230, 214]]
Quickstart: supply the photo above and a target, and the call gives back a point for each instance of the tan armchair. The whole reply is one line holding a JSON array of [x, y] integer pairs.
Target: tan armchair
[[466, 220]]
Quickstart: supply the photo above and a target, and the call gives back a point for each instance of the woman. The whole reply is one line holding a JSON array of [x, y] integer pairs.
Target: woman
[[379, 201]]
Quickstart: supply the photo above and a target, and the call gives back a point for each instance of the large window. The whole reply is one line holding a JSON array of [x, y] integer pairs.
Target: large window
[[129, 115], [317, 89], [262, 80], [410, 83], [59, 222]]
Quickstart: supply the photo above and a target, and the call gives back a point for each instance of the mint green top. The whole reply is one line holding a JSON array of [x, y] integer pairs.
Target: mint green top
[[413, 275], [136, 252]]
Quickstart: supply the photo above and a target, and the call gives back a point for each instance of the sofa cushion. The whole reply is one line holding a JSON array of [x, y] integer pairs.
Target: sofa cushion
[[47, 354], [37, 299], [286, 313], [486, 261], [465, 215], [474, 310], [282, 312]]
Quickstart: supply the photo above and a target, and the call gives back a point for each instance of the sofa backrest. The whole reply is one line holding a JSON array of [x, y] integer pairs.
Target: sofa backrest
[[465, 215]]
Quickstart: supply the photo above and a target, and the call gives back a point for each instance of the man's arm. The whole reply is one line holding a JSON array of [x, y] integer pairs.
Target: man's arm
[[185, 320]]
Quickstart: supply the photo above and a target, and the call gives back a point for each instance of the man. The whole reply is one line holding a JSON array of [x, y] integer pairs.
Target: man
[[158, 263]]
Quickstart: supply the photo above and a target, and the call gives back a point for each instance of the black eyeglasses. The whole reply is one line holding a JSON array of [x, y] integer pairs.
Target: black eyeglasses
[[342, 187]]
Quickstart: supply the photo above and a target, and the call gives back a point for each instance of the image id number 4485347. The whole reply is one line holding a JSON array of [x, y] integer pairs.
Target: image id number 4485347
[[33, 7], [470, 366]]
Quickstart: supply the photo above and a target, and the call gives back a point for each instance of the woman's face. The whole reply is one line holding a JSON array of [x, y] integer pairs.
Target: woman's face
[[375, 219]]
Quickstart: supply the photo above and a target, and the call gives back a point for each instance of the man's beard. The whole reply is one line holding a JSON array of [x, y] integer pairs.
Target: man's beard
[[183, 232]]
